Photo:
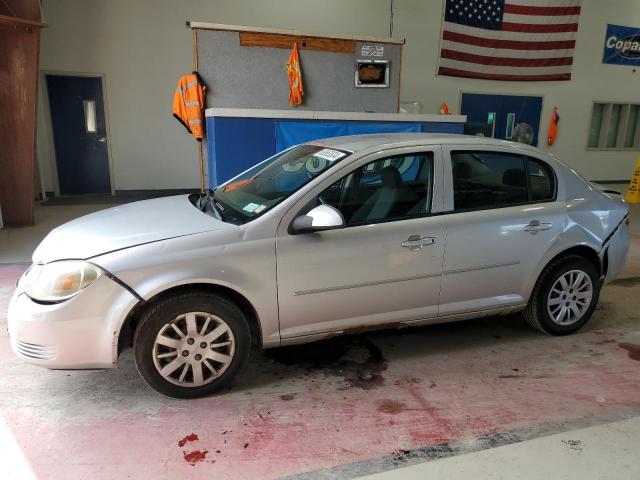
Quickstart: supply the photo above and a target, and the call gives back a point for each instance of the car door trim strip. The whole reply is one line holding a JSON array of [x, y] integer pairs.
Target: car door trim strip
[[403, 279], [366, 284], [480, 267]]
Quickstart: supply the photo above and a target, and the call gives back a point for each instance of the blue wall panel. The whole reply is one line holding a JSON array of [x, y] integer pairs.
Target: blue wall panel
[[293, 132], [443, 127], [235, 144]]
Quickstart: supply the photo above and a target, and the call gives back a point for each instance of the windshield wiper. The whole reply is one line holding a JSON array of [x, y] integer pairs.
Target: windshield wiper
[[206, 203]]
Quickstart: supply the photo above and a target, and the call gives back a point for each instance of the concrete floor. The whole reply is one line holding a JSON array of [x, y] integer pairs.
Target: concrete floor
[[17, 244], [485, 398]]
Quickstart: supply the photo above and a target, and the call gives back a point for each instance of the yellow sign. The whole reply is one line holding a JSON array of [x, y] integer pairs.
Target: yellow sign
[[633, 192]]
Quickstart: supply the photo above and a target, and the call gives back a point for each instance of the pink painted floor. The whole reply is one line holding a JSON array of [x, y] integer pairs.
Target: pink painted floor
[[334, 409]]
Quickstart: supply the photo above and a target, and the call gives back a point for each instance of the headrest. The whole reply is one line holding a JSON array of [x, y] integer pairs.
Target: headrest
[[391, 177], [461, 171], [514, 177]]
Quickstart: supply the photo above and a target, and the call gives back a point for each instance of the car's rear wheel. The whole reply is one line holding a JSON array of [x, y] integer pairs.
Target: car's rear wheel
[[564, 297], [191, 344]]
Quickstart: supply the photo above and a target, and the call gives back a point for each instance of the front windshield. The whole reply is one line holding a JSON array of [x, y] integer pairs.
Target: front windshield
[[270, 182]]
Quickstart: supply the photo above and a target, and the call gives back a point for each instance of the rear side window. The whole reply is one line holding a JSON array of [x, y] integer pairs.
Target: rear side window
[[488, 180], [541, 181], [484, 180]]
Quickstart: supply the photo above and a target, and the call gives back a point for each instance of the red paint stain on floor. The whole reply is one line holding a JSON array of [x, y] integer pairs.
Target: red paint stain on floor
[[195, 456], [455, 392], [328, 427], [391, 406], [189, 438], [442, 429]]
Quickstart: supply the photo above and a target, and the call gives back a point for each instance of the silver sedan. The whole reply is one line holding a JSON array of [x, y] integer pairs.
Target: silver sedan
[[319, 240]]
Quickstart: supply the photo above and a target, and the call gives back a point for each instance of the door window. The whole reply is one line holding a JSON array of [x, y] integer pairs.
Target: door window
[[90, 116], [541, 181], [385, 189], [483, 180]]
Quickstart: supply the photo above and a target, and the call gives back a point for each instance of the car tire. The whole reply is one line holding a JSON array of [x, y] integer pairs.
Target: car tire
[[178, 353], [556, 310]]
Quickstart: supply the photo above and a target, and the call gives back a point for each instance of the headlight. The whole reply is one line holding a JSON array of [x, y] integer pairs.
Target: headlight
[[58, 281]]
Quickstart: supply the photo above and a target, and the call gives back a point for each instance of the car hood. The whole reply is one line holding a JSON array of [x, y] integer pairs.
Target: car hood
[[125, 226]]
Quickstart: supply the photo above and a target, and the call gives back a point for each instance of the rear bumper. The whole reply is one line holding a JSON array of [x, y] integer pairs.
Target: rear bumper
[[616, 250], [77, 333]]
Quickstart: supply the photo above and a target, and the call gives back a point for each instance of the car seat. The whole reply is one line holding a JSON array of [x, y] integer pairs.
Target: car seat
[[390, 199]]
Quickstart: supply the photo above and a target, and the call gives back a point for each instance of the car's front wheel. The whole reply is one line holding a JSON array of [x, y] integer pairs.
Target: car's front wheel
[[564, 297], [191, 344]]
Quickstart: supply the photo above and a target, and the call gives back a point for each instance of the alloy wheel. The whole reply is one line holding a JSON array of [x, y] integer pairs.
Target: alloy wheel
[[193, 349], [570, 297]]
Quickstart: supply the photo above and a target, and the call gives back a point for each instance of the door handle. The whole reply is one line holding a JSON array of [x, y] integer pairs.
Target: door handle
[[536, 226], [416, 242], [103, 139]]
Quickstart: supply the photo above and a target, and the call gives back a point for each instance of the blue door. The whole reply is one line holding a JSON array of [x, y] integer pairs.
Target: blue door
[[509, 110], [79, 134]]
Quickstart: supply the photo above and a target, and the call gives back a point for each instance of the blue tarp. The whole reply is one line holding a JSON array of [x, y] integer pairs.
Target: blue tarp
[[292, 132]]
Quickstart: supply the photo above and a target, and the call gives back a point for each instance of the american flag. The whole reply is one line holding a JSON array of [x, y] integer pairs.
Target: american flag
[[517, 40]]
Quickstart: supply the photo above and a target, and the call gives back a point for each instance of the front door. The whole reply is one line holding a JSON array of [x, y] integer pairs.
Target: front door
[[503, 221], [79, 133], [384, 266]]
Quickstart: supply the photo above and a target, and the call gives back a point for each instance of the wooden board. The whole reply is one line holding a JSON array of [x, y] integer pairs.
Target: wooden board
[[18, 93], [19, 22], [274, 40], [21, 11]]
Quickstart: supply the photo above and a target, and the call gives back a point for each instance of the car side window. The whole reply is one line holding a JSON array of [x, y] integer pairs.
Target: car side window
[[385, 189], [541, 181], [484, 180]]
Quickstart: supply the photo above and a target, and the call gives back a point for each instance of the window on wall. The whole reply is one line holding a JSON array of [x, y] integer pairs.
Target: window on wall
[[615, 126]]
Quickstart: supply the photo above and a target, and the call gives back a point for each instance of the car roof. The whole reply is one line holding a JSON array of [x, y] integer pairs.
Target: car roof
[[356, 143]]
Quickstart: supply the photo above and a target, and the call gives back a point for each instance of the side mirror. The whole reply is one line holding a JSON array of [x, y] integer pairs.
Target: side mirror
[[322, 217]]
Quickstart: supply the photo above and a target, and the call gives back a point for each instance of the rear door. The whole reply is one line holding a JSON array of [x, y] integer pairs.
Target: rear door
[[502, 220]]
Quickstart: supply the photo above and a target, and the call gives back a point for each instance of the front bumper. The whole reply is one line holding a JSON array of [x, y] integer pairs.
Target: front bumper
[[81, 332]]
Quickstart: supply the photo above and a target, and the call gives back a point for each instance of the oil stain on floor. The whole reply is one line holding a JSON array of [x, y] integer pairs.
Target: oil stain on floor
[[357, 360], [632, 349]]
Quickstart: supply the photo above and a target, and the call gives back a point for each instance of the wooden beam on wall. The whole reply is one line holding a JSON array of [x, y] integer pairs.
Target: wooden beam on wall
[[20, 40], [22, 9], [274, 40], [15, 22]]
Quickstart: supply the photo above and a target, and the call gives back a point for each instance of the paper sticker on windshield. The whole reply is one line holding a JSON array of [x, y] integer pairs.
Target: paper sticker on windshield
[[250, 207], [328, 154], [259, 208]]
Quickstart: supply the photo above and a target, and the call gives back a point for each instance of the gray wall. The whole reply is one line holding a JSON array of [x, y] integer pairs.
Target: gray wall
[[256, 77], [142, 47]]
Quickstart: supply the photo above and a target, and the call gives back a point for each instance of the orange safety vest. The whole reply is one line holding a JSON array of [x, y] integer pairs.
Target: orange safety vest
[[188, 104], [295, 78]]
